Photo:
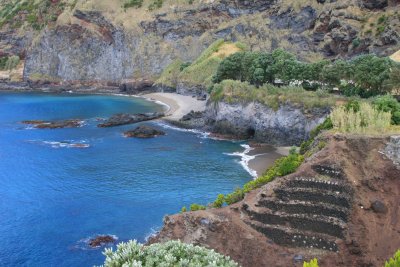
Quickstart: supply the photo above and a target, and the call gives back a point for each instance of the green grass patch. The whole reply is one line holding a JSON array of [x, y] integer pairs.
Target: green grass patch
[[232, 91]]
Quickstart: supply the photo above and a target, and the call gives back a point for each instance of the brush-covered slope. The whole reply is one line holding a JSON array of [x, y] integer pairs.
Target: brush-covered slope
[[341, 206]]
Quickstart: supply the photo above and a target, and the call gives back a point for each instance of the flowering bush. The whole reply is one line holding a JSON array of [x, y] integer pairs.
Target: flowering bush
[[169, 254]]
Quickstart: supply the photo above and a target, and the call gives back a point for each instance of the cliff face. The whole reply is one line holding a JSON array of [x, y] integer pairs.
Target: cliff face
[[94, 45], [288, 125], [341, 206]]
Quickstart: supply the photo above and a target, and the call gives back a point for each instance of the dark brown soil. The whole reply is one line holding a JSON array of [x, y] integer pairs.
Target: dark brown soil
[[369, 233]]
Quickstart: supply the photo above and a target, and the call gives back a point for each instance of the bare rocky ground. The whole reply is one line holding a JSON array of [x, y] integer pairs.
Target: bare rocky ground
[[342, 206]]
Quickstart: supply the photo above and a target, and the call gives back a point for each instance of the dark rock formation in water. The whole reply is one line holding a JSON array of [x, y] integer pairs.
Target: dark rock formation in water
[[101, 240], [123, 119], [39, 124], [144, 131]]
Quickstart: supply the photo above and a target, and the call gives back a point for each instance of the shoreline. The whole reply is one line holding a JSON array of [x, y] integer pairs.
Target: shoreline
[[256, 158]]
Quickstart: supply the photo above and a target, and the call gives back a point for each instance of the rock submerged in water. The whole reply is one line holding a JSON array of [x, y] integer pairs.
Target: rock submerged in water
[[40, 124], [123, 119], [101, 240], [144, 131]]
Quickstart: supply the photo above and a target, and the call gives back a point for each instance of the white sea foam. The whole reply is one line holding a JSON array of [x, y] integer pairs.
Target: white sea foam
[[153, 232], [62, 144], [201, 134], [245, 158]]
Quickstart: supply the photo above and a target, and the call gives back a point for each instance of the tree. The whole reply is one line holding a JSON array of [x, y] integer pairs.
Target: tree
[[284, 64], [371, 72]]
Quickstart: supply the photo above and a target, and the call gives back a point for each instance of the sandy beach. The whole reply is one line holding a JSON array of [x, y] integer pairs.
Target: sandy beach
[[265, 156], [179, 105]]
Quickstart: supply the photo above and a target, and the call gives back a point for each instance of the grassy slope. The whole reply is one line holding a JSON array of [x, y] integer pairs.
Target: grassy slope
[[202, 69], [242, 92]]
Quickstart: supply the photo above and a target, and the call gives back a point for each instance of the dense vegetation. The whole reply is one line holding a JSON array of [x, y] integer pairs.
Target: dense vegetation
[[365, 76], [232, 91], [366, 119], [169, 254]]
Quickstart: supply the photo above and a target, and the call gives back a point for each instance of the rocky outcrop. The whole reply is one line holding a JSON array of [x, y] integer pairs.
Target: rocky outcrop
[[101, 240], [39, 124], [288, 125], [124, 119], [144, 131], [92, 48], [324, 210]]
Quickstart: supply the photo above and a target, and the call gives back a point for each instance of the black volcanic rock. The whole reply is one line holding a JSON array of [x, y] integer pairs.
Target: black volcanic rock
[[101, 240], [375, 4], [39, 124], [144, 131], [123, 119]]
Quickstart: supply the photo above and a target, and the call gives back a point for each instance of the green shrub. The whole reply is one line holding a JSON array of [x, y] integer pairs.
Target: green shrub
[[183, 209], [388, 103], [184, 65], [12, 62], [356, 43], [282, 166], [312, 263], [353, 105], [195, 207], [219, 201], [3, 61], [395, 261], [306, 145], [133, 3], [168, 254], [235, 196], [155, 4]]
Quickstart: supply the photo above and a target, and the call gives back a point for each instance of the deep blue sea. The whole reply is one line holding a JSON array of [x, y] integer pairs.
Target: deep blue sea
[[54, 196]]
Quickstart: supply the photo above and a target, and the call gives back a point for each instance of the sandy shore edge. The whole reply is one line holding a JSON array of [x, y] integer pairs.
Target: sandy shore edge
[[255, 159], [179, 105]]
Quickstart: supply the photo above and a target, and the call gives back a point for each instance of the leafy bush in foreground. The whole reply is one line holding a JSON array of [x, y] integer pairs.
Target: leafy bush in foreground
[[312, 263], [395, 261], [169, 254]]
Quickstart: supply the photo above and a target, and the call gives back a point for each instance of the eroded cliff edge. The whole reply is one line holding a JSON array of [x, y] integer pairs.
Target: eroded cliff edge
[[341, 206]]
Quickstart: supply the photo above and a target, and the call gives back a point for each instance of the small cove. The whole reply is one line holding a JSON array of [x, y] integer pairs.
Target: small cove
[[54, 195]]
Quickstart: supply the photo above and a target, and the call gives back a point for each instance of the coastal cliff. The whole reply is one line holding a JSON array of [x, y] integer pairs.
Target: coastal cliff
[[340, 206], [95, 41], [287, 125]]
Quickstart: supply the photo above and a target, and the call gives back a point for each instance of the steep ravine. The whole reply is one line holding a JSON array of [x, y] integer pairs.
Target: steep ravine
[[341, 207]]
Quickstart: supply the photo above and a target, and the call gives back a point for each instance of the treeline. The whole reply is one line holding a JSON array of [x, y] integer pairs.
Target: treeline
[[366, 75]]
